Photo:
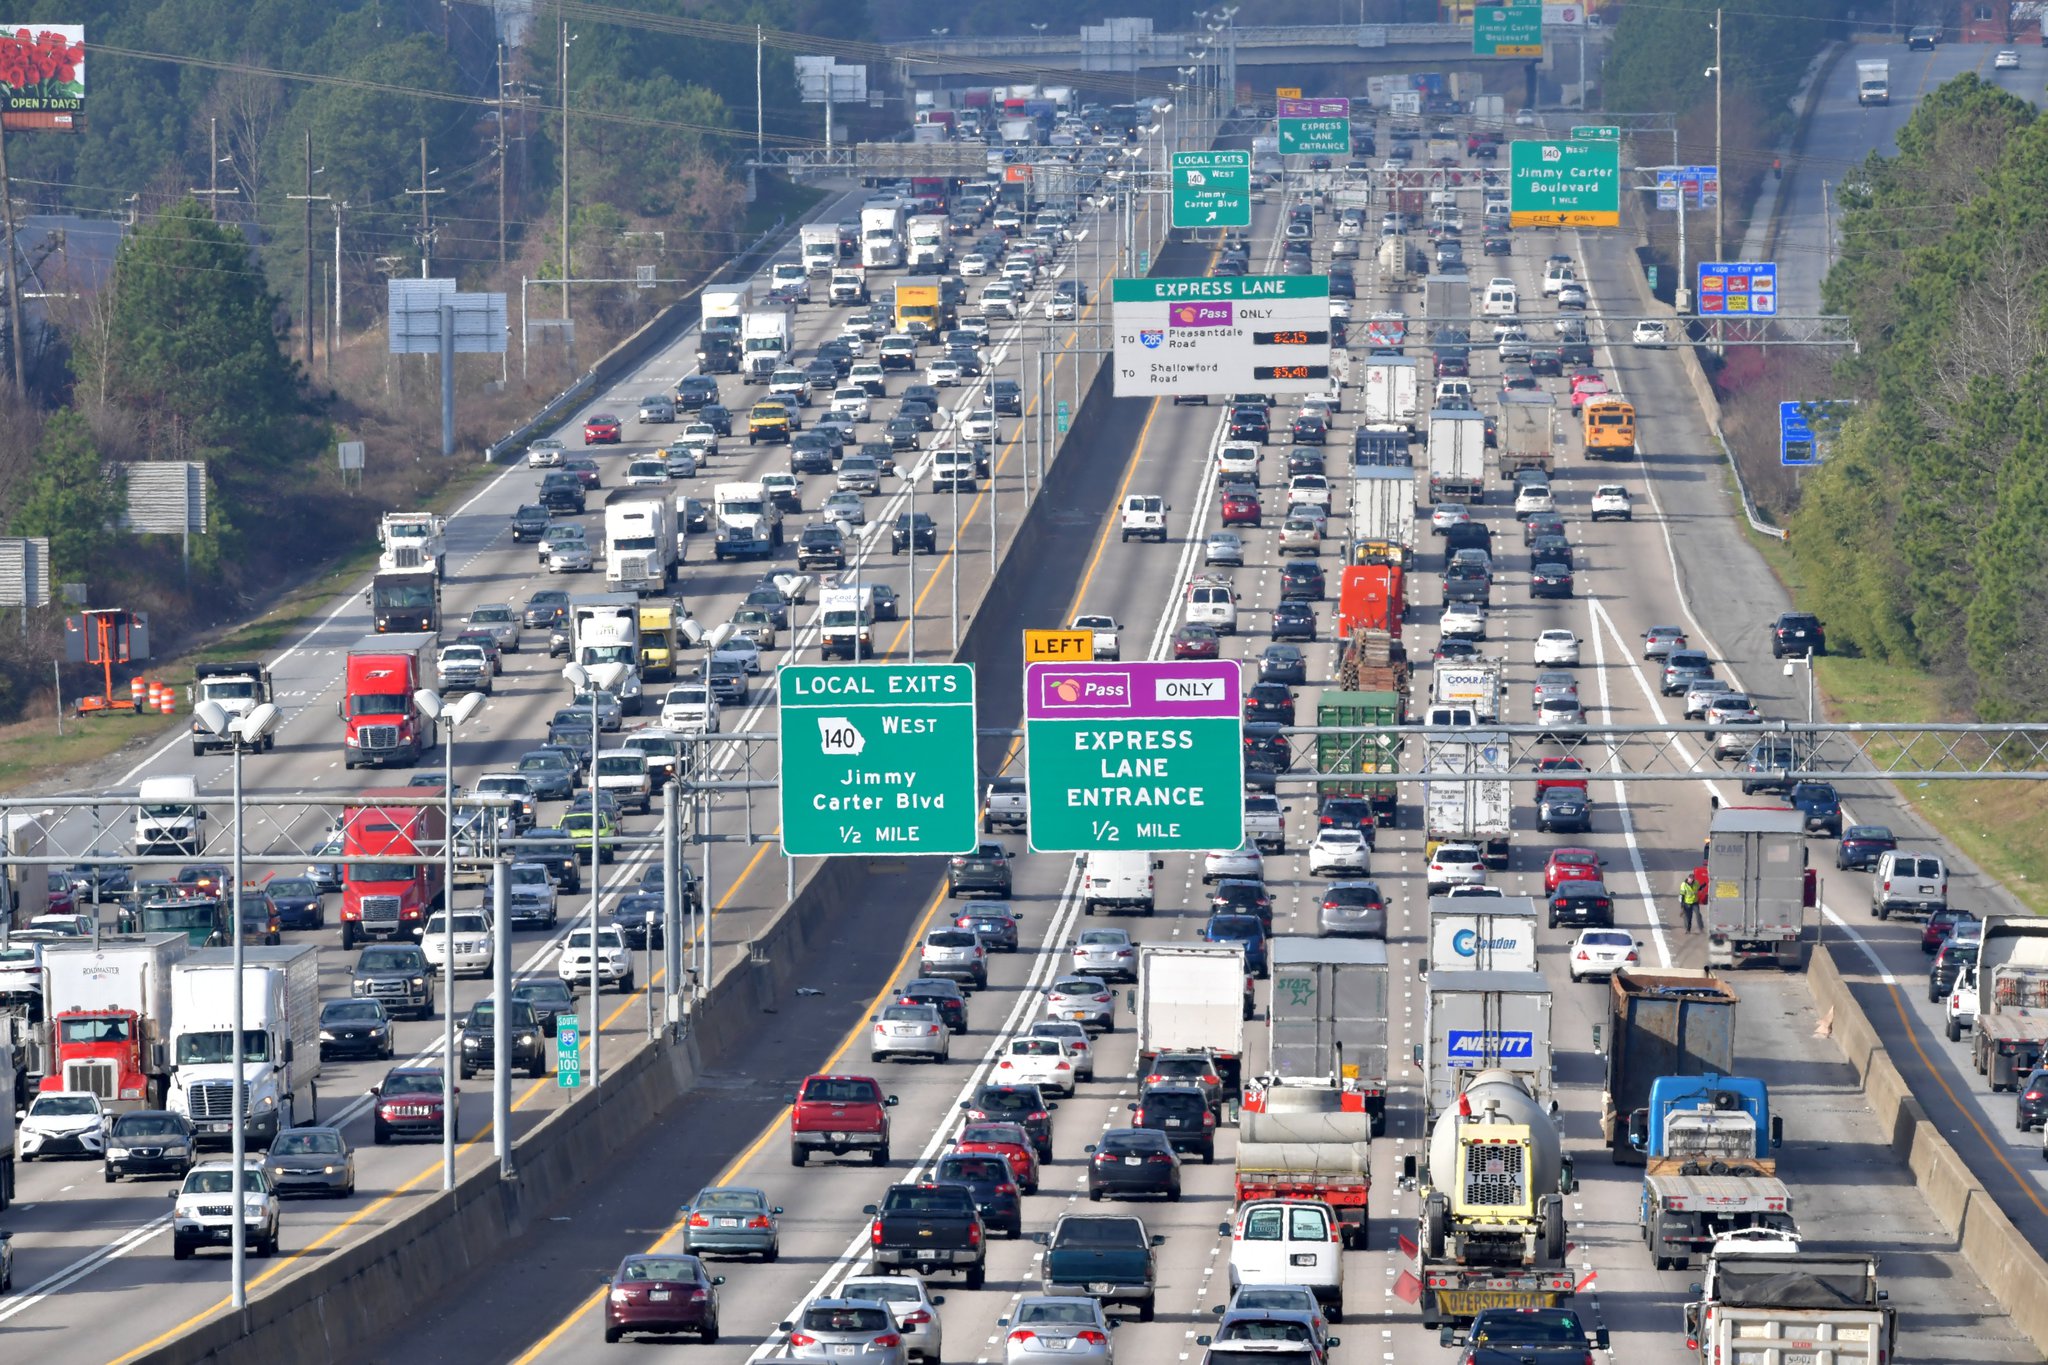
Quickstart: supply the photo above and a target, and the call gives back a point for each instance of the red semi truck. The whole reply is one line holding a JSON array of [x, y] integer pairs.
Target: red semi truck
[[391, 899], [381, 723]]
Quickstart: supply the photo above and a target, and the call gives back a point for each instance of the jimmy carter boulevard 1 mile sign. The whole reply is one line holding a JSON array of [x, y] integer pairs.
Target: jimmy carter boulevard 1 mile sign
[[1564, 184], [1212, 189], [1269, 333], [877, 758]]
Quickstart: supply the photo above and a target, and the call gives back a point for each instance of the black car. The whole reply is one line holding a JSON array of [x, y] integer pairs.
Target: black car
[[1546, 361], [1308, 430], [1265, 755], [984, 872], [1455, 648], [926, 533], [1862, 845], [549, 997], [1348, 812], [530, 522], [1471, 535], [1249, 424], [1539, 524], [1283, 664], [1453, 362], [1126, 1162], [688, 897], [1496, 244], [1270, 702], [296, 903], [696, 517], [810, 452], [1180, 1113], [545, 608], [355, 1028], [1953, 958], [1821, 806], [1022, 1105], [1302, 460], [2033, 1100], [943, 996], [917, 410], [994, 1187], [149, 1142], [638, 917], [1582, 904], [1799, 635], [767, 599], [902, 433], [562, 494], [1342, 284], [694, 391], [1564, 810], [717, 416], [1294, 621], [554, 849], [1550, 550], [529, 1050], [1550, 579], [996, 926], [1242, 896], [1498, 1336]]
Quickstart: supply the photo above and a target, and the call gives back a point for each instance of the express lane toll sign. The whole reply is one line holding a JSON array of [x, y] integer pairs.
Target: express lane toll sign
[[877, 758], [1143, 756]]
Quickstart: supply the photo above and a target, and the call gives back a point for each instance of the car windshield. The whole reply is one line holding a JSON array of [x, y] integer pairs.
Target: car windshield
[[148, 1126], [352, 1012], [412, 1083], [1100, 1232], [64, 1106], [306, 1144], [217, 1181], [391, 960], [1070, 1314]]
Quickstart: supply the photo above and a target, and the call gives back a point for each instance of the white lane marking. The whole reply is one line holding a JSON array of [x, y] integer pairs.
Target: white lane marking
[[1595, 614]]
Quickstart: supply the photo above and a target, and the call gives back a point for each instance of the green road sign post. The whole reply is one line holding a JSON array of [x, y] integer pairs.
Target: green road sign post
[[1212, 189], [1597, 132], [877, 758], [1061, 416], [1134, 756], [1564, 184], [1508, 31], [568, 1051], [1315, 127]]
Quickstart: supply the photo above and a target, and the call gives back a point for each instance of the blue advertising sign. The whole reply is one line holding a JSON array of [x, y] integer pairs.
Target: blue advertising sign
[[1738, 289], [1805, 428], [1481, 1047]]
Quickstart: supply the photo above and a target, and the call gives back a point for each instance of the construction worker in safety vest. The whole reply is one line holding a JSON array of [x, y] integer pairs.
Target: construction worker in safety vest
[[1689, 903]]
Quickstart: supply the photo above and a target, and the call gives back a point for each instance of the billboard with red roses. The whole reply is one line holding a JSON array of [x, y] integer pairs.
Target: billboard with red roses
[[42, 77]]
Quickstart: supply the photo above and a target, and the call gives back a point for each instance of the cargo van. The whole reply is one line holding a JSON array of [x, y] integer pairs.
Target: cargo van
[[1212, 602], [1502, 300], [168, 816], [1145, 516], [1117, 879]]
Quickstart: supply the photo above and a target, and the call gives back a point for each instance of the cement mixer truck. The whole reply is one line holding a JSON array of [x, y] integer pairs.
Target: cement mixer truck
[[1492, 1186]]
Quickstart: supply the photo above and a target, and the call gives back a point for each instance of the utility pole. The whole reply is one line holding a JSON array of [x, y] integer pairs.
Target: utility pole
[[213, 191], [426, 215], [309, 197], [760, 116], [1720, 169], [501, 154], [334, 313], [566, 40], [13, 278]]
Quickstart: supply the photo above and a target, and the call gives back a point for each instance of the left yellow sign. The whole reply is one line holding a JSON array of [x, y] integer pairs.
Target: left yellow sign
[[1059, 646]]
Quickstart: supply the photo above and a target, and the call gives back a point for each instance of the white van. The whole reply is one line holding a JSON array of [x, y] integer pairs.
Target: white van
[[1502, 300], [1556, 274], [1288, 1241], [1117, 879], [1212, 602], [1458, 392], [1907, 884], [1145, 515], [169, 816]]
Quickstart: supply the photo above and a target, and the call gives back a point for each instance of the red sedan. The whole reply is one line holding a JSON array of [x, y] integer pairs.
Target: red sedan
[[1241, 509], [662, 1294], [1570, 865], [1553, 770], [1197, 642], [1006, 1140], [601, 430]]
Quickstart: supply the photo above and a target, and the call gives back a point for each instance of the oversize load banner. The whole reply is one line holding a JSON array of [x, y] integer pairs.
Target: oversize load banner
[[42, 77]]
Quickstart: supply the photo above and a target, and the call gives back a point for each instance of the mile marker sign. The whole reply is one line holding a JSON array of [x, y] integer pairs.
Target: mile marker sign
[[1134, 755], [877, 758]]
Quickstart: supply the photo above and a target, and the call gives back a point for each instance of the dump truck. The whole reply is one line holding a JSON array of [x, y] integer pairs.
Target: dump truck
[[238, 688], [1763, 1298], [1493, 1185], [1760, 895], [1672, 1022], [1707, 1144]]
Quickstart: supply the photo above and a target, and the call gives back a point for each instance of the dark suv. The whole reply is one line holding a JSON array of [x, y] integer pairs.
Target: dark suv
[[1249, 424], [927, 533], [994, 1187], [479, 1043], [943, 996], [1820, 807], [1022, 1105], [1798, 634], [1951, 959], [1181, 1112], [821, 545], [984, 872], [530, 522]]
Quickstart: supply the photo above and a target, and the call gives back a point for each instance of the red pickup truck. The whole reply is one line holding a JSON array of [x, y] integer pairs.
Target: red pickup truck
[[839, 1114]]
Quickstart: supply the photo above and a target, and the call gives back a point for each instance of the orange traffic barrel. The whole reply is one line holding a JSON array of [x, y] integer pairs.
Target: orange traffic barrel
[[168, 700], [154, 699], [136, 688]]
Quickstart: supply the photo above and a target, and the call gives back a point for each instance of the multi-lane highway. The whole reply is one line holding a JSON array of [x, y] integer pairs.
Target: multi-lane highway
[[542, 1304], [75, 1236]]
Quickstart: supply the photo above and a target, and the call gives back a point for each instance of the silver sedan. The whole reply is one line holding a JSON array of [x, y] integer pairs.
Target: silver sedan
[[1083, 1000], [909, 1031], [1224, 547], [1107, 953], [1048, 1327]]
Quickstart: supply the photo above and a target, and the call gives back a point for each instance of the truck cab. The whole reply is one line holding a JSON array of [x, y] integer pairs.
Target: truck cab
[[168, 815]]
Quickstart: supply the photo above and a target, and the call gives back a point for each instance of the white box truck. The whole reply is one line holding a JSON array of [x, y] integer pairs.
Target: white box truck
[[1382, 510], [1482, 933], [1388, 388], [1528, 431], [818, 244], [765, 341], [1874, 82], [1457, 455], [639, 541], [881, 236], [280, 987], [1192, 997], [1467, 798]]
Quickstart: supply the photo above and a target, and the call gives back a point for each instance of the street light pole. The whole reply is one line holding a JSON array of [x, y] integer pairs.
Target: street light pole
[[241, 732], [594, 678], [1720, 170], [450, 715]]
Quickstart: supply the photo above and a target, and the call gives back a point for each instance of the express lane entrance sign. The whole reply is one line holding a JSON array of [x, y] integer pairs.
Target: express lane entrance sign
[[1134, 755]]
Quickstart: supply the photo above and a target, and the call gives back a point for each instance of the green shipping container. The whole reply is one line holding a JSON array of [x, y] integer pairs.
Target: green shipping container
[[1361, 752]]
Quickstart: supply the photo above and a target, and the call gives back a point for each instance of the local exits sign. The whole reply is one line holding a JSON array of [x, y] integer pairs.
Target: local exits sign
[[1564, 184]]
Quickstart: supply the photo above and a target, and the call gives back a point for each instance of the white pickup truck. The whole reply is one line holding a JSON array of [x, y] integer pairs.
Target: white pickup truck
[[1107, 645]]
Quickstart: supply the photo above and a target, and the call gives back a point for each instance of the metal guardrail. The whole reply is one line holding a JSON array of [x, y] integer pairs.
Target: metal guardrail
[[1172, 46], [628, 352]]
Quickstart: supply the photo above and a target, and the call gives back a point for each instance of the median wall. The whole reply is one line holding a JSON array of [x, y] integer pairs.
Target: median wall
[[2010, 1267]]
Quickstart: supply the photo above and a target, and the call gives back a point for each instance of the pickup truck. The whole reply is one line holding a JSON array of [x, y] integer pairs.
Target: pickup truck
[[839, 1114], [1106, 1258], [1107, 646], [932, 1227], [1005, 804], [1265, 823]]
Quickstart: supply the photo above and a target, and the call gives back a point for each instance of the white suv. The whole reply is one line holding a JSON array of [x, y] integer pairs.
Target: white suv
[[1611, 500], [690, 708], [614, 962], [1455, 865], [202, 1216]]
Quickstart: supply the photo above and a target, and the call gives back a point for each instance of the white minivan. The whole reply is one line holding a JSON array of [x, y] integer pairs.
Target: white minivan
[[1117, 879], [1502, 299], [1289, 1241], [1212, 602]]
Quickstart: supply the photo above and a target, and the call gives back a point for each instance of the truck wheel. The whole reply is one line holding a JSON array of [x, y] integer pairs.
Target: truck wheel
[[348, 934], [977, 1276], [1553, 1232], [1435, 1212], [1147, 1308], [796, 1156], [882, 1155], [1955, 1034], [199, 750]]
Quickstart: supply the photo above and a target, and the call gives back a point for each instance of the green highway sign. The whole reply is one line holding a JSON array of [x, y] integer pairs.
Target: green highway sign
[[1508, 31], [1212, 189], [1597, 132], [1564, 184], [1062, 417], [1315, 127], [877, 758], [1134, 756], [568, 1051]]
